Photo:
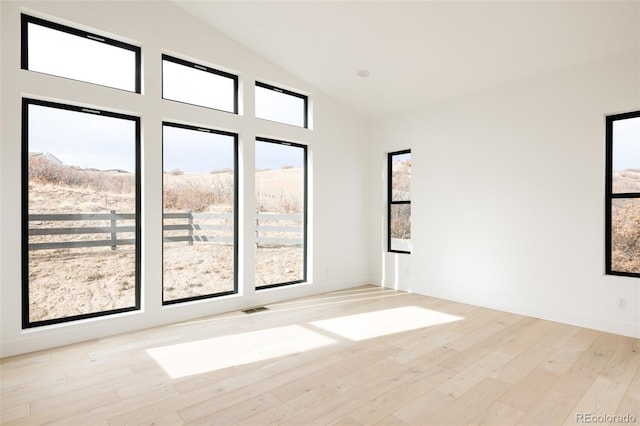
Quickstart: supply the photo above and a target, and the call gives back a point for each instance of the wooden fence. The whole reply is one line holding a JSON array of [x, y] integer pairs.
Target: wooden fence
[[189, 227], [270, 217], [113, 229], [192, 230]]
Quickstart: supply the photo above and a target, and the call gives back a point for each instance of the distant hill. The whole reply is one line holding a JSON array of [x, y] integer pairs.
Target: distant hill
[[46, 156], [626, 181]]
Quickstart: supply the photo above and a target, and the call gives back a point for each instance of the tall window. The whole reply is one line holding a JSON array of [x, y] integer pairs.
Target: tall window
[[623, 194], [80, 204], [283, 106], [281, 213], [56, 49], [200, 85], [399, 202], [200, 210]]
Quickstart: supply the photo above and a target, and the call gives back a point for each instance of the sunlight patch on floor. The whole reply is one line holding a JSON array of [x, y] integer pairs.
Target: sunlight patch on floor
[[201, 356], [384, 322]]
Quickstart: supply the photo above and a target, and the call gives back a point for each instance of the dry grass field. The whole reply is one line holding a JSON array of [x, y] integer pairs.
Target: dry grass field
[[74, 281], [211, 271], [626, 181], [625, 255], [67, 282]]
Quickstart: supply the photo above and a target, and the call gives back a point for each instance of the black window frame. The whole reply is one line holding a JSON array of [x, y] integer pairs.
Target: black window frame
[[203, 68], [277, 89], [24, 50], [235, 214], [390, 201], [610, 195], [304, 212], [26, 323]]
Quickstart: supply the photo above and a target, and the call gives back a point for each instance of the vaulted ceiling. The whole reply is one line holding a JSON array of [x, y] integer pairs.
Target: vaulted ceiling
[[420, 52]]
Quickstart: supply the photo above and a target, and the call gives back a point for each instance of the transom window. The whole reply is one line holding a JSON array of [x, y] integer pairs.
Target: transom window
[[200, 85], [283, 106], [63, 51]]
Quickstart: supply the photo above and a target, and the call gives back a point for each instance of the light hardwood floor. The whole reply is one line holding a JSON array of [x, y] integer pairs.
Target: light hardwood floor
[[363, 356]]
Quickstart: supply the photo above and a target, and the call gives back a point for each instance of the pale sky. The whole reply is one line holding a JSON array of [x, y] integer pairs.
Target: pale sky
[[95, 141], [81, 139], [91, 141], [275, 156], [281, 107], [56, 52], [104, 143], [194, 151], [196, 87], [626, 144]]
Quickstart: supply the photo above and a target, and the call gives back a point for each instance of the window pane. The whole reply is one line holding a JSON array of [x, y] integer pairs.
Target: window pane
[[280, 222], [626, 155], [277, 105], [625, 235], [82, 213], [197, 85], [401, 177], [400, 227], [199, 213], [399, 201], [84, 58]]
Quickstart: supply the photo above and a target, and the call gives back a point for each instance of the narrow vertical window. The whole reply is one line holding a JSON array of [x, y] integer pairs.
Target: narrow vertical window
[[281, 213], [283, 106], [623, 194], [81, 227], [196, 84], [200, 210], [399, 202], [63, 51]]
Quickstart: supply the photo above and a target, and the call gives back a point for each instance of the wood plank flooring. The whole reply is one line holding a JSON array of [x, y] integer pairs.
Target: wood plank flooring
[[364, 356]]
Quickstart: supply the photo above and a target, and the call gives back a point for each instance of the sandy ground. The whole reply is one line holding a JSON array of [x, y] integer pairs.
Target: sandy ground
[[278, 264], [72, 282]]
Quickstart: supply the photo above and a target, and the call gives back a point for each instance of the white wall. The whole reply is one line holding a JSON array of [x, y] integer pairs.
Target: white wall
[[508, 191], [338, 243], [508, 197]]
